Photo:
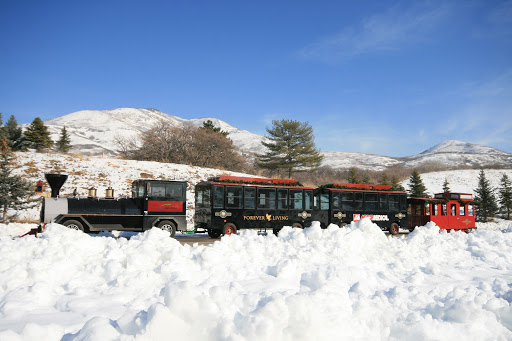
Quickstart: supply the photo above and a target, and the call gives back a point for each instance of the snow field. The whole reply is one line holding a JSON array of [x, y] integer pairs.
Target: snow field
[[337, 283]]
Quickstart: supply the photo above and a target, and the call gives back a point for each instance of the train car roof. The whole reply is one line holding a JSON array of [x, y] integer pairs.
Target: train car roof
[[250, 181]]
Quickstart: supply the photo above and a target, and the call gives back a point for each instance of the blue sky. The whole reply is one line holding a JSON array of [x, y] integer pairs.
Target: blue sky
[[383, 77]]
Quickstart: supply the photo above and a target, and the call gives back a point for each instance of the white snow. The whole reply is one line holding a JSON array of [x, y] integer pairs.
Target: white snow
[[348, 283], [338, 283], [460, 181]]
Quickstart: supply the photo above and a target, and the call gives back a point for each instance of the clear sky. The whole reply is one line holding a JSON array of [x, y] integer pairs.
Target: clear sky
[[382, 77]]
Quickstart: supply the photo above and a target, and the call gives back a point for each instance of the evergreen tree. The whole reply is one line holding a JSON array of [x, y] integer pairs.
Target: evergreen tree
[[366, 179], [384, 180], [395, 184], [353, 178], [15, 192], [416, 187], [14, 134], [505, 195], [64, 142], [38, 136], [446, 188], [485, 194], [291, 147], [208, 125], [2, 128]]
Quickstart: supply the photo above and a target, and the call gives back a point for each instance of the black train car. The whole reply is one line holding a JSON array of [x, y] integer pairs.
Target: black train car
[[154, 203]]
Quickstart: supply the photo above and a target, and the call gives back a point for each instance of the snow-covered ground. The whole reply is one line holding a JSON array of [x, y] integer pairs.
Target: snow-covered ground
[[338, 283], [460, 181]]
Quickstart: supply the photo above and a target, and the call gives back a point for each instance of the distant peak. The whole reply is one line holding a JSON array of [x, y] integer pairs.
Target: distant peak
[[455, 146]]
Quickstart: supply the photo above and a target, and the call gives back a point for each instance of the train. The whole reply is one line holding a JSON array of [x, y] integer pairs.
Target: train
[[223, 205]]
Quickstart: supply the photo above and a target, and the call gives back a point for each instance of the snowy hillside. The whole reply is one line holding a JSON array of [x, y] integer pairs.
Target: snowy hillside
[[102, 172], [460, 181], [94, 132], [454, 146]]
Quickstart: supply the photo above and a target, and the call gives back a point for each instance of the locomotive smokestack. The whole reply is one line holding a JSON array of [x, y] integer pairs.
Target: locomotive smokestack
[[56, 181]]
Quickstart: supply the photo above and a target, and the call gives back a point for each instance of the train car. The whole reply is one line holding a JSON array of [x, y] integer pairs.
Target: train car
[[450, 211], [154, 203], [342, 203], [227, 203]]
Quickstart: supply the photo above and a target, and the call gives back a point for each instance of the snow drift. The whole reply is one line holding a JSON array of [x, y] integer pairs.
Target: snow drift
[[337, 283]]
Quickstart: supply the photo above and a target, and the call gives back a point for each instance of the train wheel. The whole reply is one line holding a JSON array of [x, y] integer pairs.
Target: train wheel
[[168, 226], [229, 229], [214, 233], [297, 226], [394, 229], [74, 225]]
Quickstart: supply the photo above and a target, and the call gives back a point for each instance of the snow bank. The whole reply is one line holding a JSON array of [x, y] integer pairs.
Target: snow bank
[[335, 283]]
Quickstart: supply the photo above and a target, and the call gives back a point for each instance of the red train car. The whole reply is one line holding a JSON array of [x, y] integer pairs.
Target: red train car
[[450, 211]]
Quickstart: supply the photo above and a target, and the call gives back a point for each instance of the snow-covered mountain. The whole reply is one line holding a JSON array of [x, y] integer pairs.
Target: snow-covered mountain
[[454, 146], [95, 131]]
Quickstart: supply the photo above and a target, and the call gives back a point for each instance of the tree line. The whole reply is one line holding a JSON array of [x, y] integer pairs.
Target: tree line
[[36, 136]]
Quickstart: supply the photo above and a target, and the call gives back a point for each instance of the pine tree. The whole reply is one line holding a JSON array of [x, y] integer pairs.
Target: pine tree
[[505, 195], [64, 142], [353, 178], [395, 184], [446, 188], [416, 187], [366, 179], [291, 147], [384, 180], [2, 128], [38, 136], [15, 192], [485, 194], [208, 125], [14, 134]]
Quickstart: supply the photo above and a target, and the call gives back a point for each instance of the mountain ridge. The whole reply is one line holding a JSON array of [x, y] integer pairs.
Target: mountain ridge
[[94, 132]]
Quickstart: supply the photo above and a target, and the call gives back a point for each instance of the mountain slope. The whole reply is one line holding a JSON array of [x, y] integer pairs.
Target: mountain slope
[[95, 131], [454, 146]]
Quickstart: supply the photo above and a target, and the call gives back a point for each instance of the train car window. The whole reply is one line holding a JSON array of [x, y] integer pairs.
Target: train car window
[[427, 209], [335, 200], [316, 201], [157, 190], [443, 209], [308, 203], [462, 210], [174, 190], [470, 210], [383, 202], [453, 210], [358, 201], [435, 209], [267, 198], [394, 203], [296, 199], [403, 202], [371, 201], [234, 197], [282, 199], [250, 197], [218, 196], [324, 201], [202, 197], [347, 201]]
